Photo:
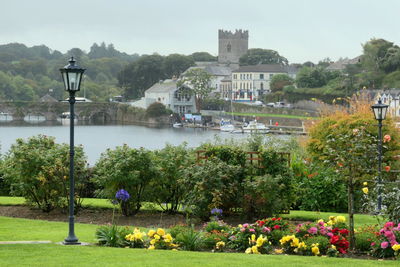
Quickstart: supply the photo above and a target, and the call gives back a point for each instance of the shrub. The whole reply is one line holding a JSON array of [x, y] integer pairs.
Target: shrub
[[111, 235], [156, 109], [267, 195], [218, 225], [212, 185], [165, 189], [190, 240], [38, 169], [322, 241], [125, 168], [364, 240], [177, 229]]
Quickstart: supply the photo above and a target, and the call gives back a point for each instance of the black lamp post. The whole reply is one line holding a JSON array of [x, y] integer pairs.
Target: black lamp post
[[380, 111], [72, 77]]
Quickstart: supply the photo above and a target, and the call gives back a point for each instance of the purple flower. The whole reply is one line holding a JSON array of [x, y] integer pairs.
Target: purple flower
[[122, 195], [216, 212]]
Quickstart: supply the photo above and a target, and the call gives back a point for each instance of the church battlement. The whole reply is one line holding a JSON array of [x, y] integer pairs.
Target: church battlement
[[238, 34]]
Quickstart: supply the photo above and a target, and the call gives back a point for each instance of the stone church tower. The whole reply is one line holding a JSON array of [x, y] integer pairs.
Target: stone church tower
[[231, 46]]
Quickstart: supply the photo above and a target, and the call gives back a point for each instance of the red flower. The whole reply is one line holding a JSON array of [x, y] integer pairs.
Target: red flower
[[274, 219], [277, 227], [387, 168], [344, 231]]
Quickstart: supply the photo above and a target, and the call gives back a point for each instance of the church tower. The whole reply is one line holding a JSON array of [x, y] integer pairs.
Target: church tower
[[231, 46]]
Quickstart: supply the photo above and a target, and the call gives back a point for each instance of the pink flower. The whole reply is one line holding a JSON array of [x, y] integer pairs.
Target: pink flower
[[252, 230], [386, 138], [373, 244], [266, 229], [389, 225], [329, 234], [242, 229], [245, 225], [313, 230], [384, 244]]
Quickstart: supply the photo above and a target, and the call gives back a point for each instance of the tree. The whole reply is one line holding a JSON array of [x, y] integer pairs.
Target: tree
[[175, 64], [203, 56], [279, 81], [199, 81], [315, 77], [156, 109], [258, 56], [374, 52], [347, 143], [138, 76]]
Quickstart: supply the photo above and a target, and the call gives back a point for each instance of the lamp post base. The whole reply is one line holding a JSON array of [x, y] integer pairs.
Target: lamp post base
[[71, 241]]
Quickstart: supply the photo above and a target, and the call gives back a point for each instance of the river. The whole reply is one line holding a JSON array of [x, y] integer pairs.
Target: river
[[97, 138]]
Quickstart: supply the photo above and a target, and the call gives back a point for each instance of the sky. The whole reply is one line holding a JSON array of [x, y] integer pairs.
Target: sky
[[300, 30]]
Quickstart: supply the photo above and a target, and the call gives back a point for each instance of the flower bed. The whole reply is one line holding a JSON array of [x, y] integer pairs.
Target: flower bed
[[267, 236]]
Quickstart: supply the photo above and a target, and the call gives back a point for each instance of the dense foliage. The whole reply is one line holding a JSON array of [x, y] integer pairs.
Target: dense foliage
[[38, 169]]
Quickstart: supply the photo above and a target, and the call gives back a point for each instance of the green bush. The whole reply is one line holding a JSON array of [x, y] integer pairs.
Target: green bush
[[111, 235], [323, 242], [38, 169], [156, 109], [125, 168], [267, 195], [364, 240], [190, 240], [177, 229], [215, 184], [165, 190]]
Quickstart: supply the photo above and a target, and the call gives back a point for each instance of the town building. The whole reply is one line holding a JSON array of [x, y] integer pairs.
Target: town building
[[231, 46], [389, 97], [179, 99], [250, 83]]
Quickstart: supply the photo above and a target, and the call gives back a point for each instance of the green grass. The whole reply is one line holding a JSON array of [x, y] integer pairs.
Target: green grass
[[57, 255], [87, 202], [359, 219], [271, 115]]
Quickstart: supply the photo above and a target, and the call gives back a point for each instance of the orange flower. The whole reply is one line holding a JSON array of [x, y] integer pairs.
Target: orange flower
[[340, 164], [387, 138], [387, 168]]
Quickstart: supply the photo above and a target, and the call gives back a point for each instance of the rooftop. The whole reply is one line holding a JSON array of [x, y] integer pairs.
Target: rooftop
[[162, 86], [262, 68]]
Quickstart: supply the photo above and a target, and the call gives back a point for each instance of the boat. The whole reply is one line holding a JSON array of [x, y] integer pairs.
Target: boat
[[255, 127], [226, 126], [177, 125]]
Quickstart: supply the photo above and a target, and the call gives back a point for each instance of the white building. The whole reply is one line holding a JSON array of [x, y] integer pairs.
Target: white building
[[250, 83], [390, 97], [179, 100]]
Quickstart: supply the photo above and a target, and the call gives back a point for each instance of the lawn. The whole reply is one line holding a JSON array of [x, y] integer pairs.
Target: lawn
[[57, 255]]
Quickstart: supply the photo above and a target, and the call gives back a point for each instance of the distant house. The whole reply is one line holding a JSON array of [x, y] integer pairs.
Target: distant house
[[250, 83], [389, 97], [341, 64], [179, 100]]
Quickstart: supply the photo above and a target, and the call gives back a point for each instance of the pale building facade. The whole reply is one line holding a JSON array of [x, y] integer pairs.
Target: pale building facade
[[250, 83]]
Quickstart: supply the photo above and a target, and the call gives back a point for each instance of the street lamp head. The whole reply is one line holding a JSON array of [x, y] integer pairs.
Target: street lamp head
[[380, 110], [72, 76]]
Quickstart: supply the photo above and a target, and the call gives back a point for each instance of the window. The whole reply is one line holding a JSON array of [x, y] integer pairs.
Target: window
[[228, 48], [235, 76], [271, 75], [262, 76], [261, 86]]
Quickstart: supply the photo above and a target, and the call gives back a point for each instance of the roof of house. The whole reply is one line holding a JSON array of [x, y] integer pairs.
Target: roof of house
[[48, 98], [213, 69], [262, 68], [162, 86], [343, 62]]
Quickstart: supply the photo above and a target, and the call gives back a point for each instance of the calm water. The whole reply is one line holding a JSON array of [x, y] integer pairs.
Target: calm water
[[97, 138]]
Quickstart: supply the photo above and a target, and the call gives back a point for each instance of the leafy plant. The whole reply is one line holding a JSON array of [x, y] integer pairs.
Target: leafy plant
[[128, 168], [111, 235], [190, 240], [38, 169]]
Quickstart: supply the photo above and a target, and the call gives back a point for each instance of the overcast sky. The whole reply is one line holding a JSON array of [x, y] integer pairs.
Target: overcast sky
[[300, 30]]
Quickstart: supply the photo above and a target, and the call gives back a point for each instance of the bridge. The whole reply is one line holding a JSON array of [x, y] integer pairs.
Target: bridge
[[88, 111]]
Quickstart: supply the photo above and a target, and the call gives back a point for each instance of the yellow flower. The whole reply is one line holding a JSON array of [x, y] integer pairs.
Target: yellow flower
[[365, 190], [333, 247], [315, 251], [160, 232], [153, 241], [167, 238], [151, 233], [254, 249], [295, 242], [260, 241], [278, 251], [365, 184], [340, 219], [320, 221], [174, 249], [157, 237], [220, 245], [396, 247], [248, 251], [128, 237], [302, 245], [152, 247]]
